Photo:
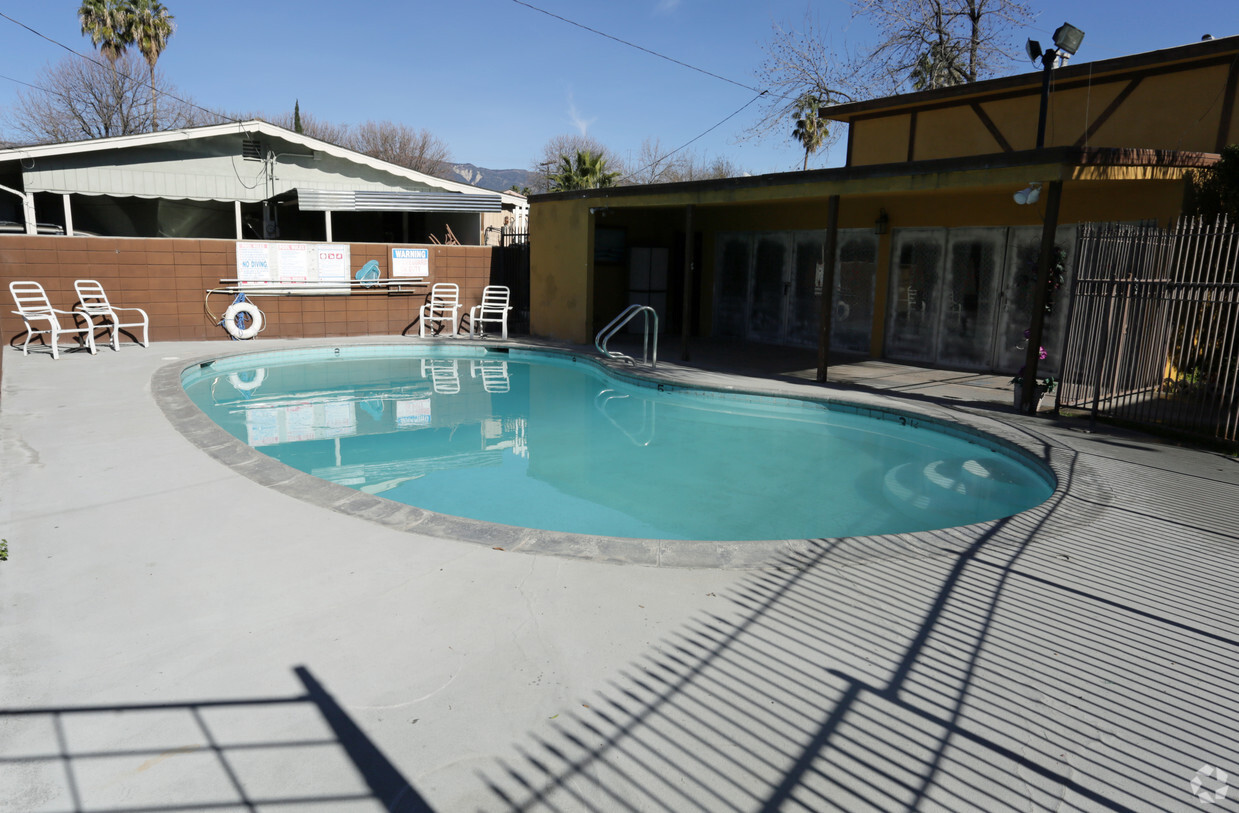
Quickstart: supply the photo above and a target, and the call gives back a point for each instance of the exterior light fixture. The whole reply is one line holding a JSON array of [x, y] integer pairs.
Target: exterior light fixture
[[882, 224], [1067, 41], [1068, 38], [1029, 194]]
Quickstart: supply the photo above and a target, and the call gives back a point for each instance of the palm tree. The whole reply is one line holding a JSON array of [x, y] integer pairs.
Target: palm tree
[[586, 171], [810, 128], [106, 22], [151, 27]]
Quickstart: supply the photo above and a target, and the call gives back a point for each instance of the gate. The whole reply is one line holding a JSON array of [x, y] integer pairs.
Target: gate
[[511, 268], [1154, 327]]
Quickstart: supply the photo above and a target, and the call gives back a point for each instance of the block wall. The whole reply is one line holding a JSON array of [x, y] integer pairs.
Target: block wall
[[170, 278]]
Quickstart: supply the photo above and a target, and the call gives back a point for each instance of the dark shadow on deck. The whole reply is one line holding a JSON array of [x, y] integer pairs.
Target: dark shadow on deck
[[221, 730], [967, 682]]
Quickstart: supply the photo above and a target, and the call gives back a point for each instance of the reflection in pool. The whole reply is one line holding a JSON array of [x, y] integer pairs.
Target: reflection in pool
[[550, 442]]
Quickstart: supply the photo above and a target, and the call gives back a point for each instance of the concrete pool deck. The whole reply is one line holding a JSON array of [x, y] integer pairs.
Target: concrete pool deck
[[178, 636]]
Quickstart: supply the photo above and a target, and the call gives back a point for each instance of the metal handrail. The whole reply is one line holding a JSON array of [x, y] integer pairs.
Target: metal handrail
[[626, 316], [604, 398]]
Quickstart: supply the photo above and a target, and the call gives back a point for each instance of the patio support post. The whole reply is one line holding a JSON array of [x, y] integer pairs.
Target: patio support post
[[27, 207], [828, 286], [68, 215], [1037, 320], [686, 319]]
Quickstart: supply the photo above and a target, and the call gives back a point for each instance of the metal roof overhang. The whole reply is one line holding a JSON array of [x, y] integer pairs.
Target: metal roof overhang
[[322, 200]]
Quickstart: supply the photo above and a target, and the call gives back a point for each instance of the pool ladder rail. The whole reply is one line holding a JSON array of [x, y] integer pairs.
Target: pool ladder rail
[[618, 323], [644, 435]]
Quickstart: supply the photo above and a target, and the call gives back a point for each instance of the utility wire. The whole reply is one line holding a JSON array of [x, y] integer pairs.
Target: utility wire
[[20, 82], [639, 47], [142, 82], [695, 138]]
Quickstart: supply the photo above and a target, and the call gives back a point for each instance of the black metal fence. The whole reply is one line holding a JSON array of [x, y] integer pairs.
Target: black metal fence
[[511, 268], [1153, 334]]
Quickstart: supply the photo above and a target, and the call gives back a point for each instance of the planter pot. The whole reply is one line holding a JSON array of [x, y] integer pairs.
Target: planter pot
[[1038, 397]]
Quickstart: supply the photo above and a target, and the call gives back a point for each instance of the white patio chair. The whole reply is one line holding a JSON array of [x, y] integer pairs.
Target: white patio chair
[[33, 306], [92, 302], [444, 303], [494, 308]]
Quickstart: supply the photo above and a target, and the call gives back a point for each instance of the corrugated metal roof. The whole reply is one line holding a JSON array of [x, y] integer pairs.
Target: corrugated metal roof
[[321, 200]]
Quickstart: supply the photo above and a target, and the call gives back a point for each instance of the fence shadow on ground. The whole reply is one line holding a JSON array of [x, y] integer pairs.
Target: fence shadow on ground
[[1047, 664], [226, 754]]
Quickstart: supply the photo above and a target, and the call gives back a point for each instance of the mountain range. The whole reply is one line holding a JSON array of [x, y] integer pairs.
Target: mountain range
[[500, 180]]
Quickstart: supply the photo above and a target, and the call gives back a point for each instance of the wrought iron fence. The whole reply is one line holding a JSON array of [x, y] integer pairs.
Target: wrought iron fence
[[1153, 334], [512, 270]]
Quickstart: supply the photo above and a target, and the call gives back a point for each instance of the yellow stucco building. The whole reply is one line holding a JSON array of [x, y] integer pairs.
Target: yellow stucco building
[[929, 256]]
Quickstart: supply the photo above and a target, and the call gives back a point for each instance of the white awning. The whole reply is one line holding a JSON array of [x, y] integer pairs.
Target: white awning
[[323, 200]]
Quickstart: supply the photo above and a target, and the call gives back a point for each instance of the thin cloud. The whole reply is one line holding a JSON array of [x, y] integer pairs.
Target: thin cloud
[[666, 6], [574, 115]]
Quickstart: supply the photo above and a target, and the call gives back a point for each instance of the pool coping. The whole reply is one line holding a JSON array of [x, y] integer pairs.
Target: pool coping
[[1057, 459]]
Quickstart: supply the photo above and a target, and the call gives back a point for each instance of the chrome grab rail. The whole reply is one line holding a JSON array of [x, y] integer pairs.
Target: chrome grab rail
[[645, 435], [626, 316]]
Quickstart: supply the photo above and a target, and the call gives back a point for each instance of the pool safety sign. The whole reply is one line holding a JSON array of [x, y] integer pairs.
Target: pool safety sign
[[287, 265], [410, 262]]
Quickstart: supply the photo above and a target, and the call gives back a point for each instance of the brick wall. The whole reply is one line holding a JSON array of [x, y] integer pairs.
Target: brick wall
[[169, 279]]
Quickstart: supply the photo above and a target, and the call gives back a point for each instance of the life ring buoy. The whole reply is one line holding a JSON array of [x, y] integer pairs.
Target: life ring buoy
[[242, 385], [235, 317]]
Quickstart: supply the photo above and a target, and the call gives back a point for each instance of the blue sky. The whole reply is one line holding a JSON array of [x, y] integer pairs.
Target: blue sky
[[496, 80]]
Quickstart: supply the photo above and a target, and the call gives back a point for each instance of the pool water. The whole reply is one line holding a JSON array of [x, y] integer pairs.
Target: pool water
[[555, 442]]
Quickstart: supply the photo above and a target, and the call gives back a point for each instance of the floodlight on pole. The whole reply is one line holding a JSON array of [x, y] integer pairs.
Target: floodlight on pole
[[1067, 39]]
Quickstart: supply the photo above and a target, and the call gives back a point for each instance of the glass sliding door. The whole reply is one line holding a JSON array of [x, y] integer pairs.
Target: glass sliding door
[[912, 311], [856, 271], [731, 286], [1019, 288], [805, 293], [768, 294], [968, 297]]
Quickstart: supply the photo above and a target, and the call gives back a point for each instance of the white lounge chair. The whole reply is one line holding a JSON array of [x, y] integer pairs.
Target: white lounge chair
[[92, 302], [494, 308], [33, 306], [444, 303]]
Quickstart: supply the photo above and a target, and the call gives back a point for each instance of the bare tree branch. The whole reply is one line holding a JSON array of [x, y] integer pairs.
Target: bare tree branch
[[80, 99], [403, 145], [933, 43]]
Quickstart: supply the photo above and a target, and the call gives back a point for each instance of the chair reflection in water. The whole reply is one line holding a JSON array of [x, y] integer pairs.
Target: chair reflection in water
[[444, 375], [494, 374]]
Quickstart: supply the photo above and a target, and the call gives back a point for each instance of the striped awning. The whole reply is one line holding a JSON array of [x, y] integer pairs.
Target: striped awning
[[323, 200]]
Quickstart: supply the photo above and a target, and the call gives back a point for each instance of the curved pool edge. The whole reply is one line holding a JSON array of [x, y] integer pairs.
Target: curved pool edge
[[1056, 460]]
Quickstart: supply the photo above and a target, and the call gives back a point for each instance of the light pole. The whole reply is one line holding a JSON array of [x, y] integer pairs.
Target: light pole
[[1067, 40]]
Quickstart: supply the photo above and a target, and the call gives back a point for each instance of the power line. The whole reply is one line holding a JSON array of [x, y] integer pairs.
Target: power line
[[20, 82], [639, 48], [142, 82], [704, 133]]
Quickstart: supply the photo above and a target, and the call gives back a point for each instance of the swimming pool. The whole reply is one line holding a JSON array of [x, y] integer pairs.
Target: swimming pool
[[555, 442]]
